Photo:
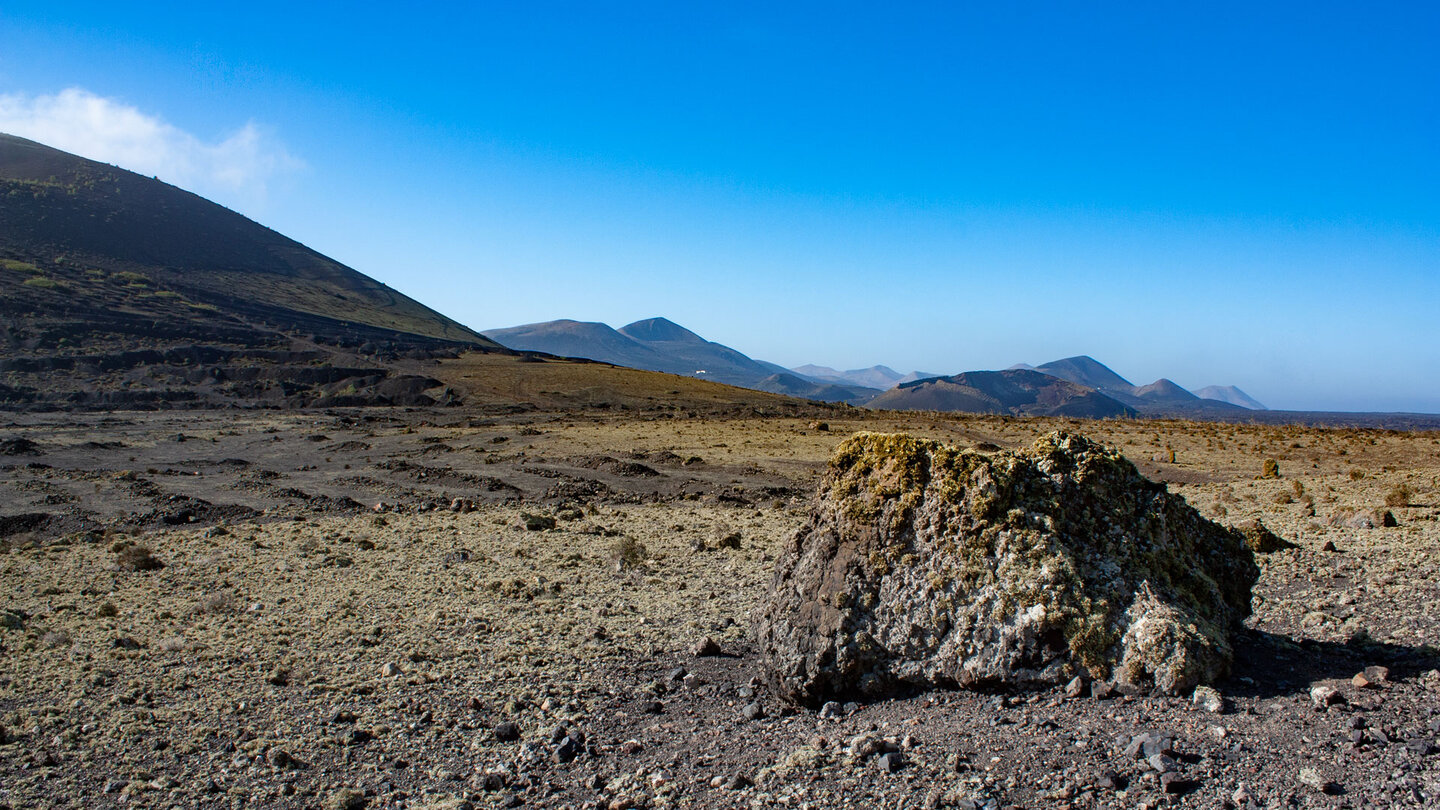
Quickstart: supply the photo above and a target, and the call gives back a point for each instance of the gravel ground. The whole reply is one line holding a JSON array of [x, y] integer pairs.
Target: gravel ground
[[537, 646]]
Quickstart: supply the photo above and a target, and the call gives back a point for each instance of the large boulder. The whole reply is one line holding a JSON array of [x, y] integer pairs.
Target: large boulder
[[923, 565]]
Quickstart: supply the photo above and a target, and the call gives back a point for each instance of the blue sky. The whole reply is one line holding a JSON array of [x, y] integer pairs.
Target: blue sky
[[1222, 194]]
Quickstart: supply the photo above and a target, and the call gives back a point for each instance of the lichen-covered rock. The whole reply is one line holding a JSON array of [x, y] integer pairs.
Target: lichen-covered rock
[[1261, 540], [924, 565]]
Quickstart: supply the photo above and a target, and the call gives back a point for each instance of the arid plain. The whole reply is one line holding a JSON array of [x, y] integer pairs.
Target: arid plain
[[442, 607]]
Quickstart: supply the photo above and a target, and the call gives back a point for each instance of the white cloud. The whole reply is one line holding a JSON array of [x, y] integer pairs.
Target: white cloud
[[236, 171]]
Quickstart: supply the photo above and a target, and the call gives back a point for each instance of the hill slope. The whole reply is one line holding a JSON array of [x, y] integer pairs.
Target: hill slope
[[54, 204], [1087, 371], [117, 290]]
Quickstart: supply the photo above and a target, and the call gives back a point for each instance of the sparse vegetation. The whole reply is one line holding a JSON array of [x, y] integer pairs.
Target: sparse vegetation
[[1399, 495], [137, 558], [19, 266], [628, 553], [1270, 469]]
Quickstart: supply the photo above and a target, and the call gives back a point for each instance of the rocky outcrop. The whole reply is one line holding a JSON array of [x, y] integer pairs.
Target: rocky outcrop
[[923, 565], [1261, 540]]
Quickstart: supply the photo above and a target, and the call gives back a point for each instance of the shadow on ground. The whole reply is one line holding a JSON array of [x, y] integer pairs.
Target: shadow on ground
[[1270, 665]]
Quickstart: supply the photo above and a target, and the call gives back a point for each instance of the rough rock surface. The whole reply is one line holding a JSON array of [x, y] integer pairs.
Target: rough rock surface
[[924, 565], [1261, 540]]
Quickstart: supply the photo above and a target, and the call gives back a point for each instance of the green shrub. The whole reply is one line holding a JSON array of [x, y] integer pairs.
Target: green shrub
[[18, 266], [43, 283]]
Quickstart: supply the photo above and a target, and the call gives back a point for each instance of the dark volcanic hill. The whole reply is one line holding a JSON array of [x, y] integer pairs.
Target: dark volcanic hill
[[1087, 371], [120, 290], [1018, 392], [1160, 398]]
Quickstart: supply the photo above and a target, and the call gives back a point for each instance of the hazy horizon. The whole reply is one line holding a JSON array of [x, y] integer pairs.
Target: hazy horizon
[[1244, 196]]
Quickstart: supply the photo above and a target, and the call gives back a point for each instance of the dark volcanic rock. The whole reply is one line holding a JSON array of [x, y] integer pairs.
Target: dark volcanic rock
[[924, 565]]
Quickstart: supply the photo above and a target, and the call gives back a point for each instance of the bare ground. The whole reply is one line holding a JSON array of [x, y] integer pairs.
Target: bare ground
[[301, 648]]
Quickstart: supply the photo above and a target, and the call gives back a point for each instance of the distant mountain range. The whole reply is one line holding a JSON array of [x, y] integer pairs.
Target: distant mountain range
[[1090, 389], [1074, 386], [878, 377], [1012, 391], [658, 344]]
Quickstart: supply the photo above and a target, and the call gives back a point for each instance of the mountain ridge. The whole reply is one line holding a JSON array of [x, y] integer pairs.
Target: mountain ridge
[[659, 344], [1015, 392]]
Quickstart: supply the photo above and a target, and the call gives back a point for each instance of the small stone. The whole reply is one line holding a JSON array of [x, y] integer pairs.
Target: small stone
[[1422, 746], [1431, 680], [280, 758], [1311, 778], [1171, 782], [651, 707], [676, 675], [1240, 797], [693, 681], [114, 785], [1160, 763], [507, 732], [391, 669], [1329, 546], [568, 750], [705, 648], [1109, 780], [730, 540], [1325, 696], [1075, 688], [1208, 699], [537, 523], [891, 762], [753, 711], [345, 799], [631, 747], [830, 711], [738, 782], [278, 677], [1375, 676], [492, 782]]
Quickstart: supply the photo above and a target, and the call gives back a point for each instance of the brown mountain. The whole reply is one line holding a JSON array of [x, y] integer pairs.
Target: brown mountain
[[1018, 392]]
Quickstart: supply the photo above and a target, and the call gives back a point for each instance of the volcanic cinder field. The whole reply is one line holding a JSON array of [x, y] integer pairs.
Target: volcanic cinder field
[[449, 607]]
